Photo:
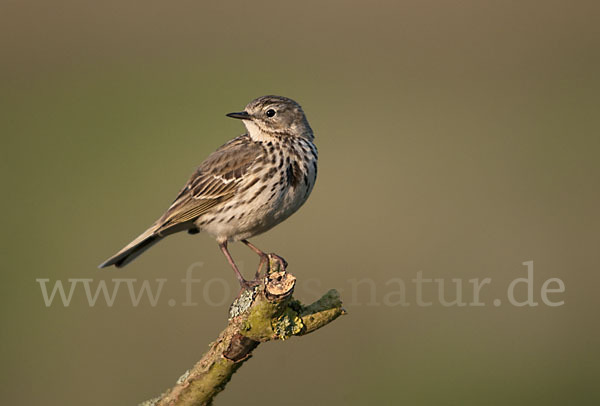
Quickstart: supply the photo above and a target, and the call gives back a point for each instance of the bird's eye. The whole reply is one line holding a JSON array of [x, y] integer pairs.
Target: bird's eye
[[270, 113]]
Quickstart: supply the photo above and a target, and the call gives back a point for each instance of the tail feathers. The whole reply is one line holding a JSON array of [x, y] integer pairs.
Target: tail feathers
[[135, 248]]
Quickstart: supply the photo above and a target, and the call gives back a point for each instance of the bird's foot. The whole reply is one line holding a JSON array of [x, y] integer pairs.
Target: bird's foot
[[249, 285], [276, 263]]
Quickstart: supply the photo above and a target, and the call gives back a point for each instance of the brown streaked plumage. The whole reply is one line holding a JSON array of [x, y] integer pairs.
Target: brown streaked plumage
[[246, 187]]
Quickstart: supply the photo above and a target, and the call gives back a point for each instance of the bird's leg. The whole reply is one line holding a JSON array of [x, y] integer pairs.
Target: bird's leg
[[264, 258], [243, 282]]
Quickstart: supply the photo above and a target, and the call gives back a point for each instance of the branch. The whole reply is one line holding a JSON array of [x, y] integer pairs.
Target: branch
[[268, 312]]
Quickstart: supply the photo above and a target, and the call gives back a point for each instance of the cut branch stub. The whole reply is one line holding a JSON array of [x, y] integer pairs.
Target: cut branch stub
[[280, 285], [264, 313]]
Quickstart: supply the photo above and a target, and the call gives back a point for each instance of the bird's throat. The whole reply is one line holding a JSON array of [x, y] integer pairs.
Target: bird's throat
[[256, 133]]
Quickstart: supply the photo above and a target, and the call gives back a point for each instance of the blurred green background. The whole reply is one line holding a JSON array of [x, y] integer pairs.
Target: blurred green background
[[459, 139]]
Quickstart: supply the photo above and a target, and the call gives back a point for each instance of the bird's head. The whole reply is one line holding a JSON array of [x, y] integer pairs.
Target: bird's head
[[274, 116]]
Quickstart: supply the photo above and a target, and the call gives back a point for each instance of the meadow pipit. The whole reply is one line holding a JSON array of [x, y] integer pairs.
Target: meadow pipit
[[244, 188]]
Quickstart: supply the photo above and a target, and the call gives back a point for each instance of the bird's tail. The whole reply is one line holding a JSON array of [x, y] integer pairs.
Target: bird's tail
[[135, 248]]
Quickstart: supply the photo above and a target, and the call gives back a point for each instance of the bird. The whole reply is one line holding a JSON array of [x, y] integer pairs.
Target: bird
[[246, 187]]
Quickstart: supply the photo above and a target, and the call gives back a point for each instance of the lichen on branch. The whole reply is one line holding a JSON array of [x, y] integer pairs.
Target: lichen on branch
[[267, 312]]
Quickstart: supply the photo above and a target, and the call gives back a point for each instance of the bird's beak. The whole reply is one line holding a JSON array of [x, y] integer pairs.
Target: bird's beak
[[242, 115]]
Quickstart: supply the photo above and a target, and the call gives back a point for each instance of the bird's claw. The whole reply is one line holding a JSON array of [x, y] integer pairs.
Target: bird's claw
[[249, 285], [276, 263]]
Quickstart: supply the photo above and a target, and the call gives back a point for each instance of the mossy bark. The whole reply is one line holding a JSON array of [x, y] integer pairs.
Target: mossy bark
[[268, 312]]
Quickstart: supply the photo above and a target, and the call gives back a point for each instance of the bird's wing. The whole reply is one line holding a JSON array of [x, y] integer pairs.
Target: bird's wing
[[215, 181]]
